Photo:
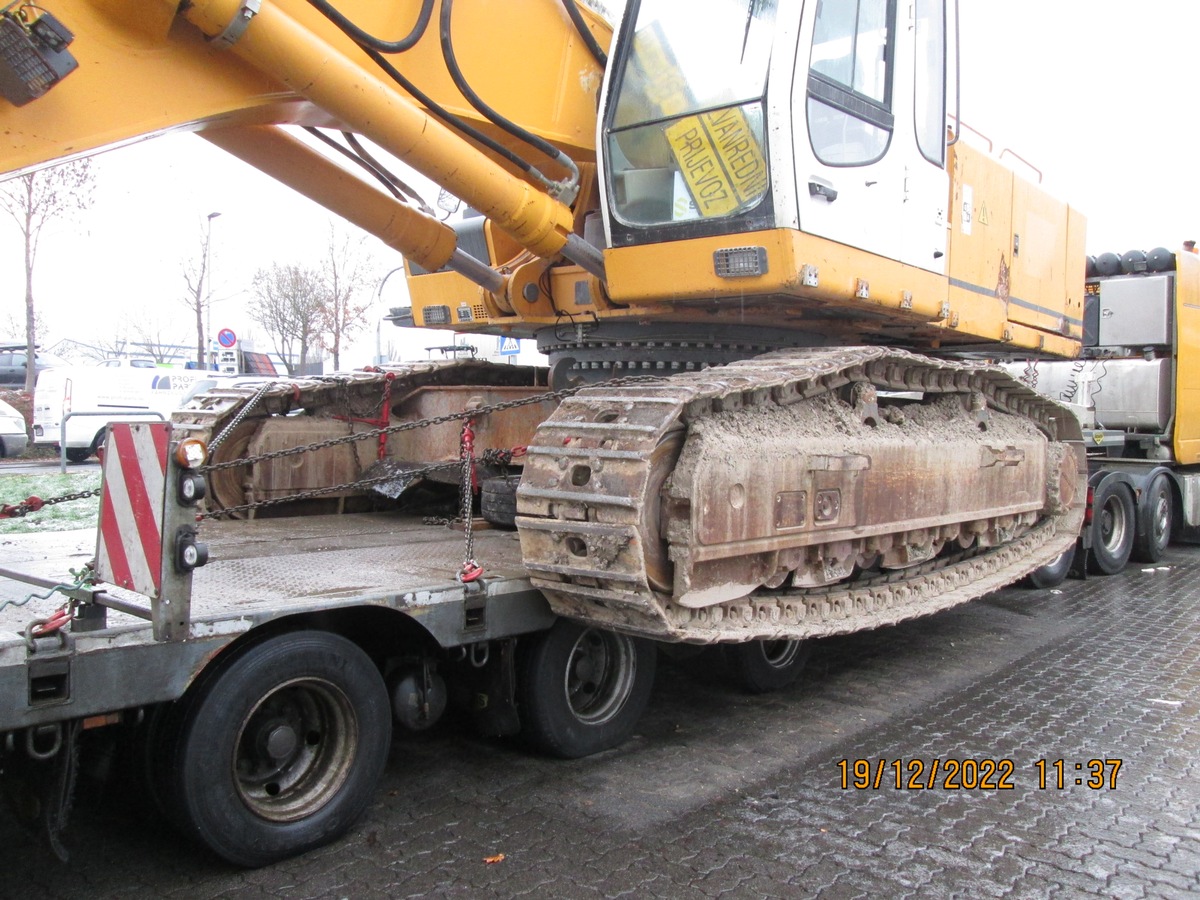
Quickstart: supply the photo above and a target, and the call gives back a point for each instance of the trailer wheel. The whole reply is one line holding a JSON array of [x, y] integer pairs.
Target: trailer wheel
[[761, 667], [1052, 574], [1113, 526], [281, 749], [1154, 521], [583, 689]]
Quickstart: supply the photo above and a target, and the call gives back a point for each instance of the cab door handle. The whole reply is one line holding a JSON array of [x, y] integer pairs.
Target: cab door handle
[[822, 189]]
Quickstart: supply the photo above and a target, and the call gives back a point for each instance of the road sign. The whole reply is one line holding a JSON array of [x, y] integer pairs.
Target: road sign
[[226, 338], [509, 346]]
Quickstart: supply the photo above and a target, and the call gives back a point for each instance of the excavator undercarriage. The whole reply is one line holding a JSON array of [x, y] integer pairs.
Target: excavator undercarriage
[[796, 494], [297, 446]]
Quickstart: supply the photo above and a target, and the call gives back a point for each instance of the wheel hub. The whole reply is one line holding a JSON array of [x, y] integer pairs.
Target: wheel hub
[[281, 742], [599, 676], [295, 750]]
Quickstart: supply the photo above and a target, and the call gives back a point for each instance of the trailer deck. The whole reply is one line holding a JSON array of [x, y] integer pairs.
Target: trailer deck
[[258, 571]]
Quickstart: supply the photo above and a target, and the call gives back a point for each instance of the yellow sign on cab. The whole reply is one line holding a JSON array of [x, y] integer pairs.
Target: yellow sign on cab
[[720, 160]]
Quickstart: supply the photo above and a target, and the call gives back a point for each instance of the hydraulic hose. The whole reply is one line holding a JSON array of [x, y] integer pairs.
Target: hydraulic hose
[[363, 39], [564, 190], [375, 48], [585, 33]]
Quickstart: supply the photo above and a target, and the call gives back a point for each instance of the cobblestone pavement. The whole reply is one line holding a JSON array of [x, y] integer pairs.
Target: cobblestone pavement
[[721, 794]]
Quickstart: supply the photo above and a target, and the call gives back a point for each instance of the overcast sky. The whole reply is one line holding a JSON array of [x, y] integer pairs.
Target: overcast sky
[[1100, 95]]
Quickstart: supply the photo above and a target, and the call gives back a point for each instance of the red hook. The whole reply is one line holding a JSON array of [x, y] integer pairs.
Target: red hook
[[57, 620]]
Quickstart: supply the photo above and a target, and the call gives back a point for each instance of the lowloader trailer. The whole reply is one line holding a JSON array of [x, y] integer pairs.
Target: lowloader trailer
[[258, 691]]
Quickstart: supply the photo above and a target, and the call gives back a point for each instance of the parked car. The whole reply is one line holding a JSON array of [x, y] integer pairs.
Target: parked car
[[12, 363], [13, 436]]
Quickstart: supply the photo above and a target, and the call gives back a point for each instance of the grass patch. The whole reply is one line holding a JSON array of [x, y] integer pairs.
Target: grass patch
[[84, 513]]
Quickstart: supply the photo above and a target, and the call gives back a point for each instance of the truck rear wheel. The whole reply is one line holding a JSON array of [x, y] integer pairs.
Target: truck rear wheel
[[1052, 574], [1113, 526], [583, 689], [280, 749], [1154, 521], [761, 667], [78, 454]]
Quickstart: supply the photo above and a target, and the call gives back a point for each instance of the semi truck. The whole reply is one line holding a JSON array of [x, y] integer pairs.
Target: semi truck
[[1134, 390], [749, 247]]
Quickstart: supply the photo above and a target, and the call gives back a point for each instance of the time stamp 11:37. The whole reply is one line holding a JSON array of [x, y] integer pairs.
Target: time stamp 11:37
[[975, 774]]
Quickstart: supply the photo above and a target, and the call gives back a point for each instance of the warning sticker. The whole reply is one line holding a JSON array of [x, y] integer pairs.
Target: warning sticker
[[720, 160]]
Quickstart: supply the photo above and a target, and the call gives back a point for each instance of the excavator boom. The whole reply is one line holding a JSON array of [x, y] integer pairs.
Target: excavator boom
[[218, 65]]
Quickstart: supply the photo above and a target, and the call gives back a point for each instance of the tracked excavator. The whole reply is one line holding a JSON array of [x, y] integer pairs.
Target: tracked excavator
[[766, 271]]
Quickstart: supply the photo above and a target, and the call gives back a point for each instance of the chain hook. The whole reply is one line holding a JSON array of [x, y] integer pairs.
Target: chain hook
[[471, 570], [468, 451], [53, 622], [26, 506]]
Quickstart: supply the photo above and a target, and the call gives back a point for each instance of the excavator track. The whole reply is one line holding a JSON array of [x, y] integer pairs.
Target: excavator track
[[797, 494], [251, 421]]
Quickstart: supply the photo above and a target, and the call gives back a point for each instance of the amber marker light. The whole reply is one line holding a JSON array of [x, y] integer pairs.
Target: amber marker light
[[191, 453]]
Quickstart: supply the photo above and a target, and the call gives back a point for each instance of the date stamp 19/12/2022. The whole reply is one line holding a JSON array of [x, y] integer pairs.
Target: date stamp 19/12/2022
[[971, 774]]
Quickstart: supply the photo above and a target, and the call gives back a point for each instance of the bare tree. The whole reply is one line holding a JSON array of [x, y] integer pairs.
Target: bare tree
[[347, 271], [33, 201], [156, 339], [74, 352], [287, 303], [113, 339], [197, 275], [14, 325]]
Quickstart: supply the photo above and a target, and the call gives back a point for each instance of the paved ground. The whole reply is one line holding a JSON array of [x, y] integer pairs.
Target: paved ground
[[726, 795]]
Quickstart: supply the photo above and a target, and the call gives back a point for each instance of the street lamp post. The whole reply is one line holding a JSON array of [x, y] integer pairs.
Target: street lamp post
[[209, 281], [379, 322]]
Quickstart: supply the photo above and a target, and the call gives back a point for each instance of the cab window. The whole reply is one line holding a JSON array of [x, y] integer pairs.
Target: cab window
[[686, 139], [930, 109], [850, 120]]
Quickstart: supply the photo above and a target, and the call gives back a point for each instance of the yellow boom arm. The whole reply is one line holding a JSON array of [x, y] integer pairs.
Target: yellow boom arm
[[230, 67]]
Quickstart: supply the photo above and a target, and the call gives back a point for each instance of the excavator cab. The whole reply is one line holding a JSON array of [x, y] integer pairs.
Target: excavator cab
[[736, 116]]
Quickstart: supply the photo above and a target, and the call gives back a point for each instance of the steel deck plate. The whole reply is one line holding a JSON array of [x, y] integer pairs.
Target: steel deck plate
[[257, 566]]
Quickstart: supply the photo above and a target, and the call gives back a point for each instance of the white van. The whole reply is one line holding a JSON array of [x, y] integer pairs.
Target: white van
[[106, 394]]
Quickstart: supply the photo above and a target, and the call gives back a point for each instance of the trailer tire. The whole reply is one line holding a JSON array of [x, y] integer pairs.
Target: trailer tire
[[1052, 574], [1114, 521], [281, 749], [498, 500], [583, 689], [1155, 520], [763, 667]]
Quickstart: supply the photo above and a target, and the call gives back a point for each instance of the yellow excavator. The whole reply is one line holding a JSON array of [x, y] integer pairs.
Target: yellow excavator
[[767, 273]]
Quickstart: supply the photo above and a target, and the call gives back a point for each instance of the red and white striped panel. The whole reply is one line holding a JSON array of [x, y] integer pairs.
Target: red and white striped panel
[[129, 550]]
